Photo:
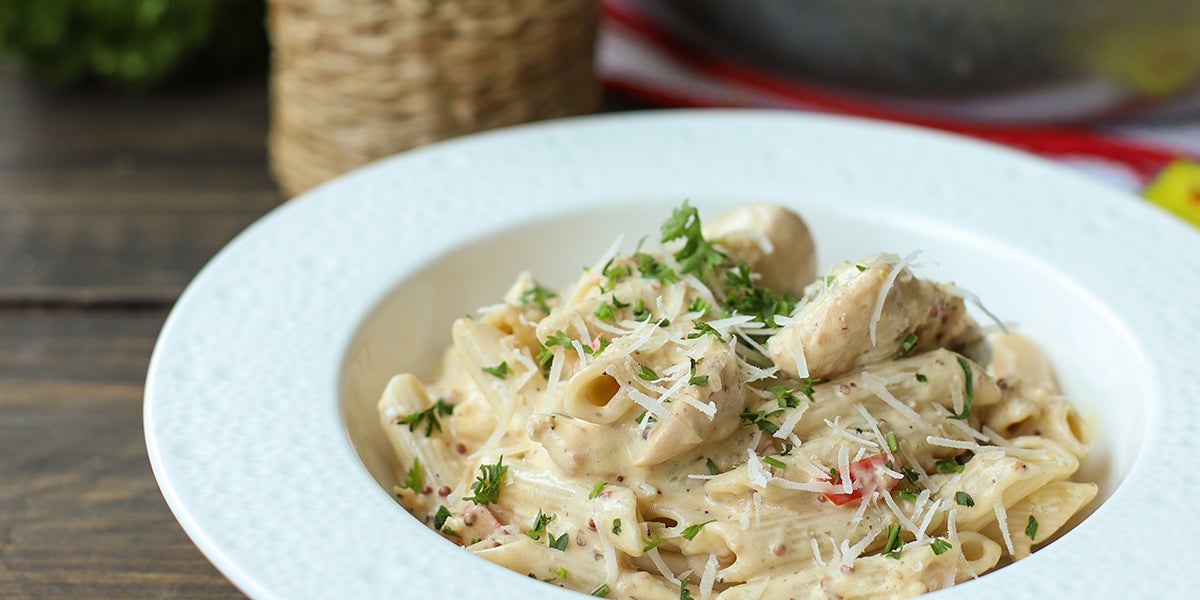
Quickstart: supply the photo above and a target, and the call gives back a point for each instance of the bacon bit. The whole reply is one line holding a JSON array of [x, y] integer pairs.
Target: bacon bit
[[620, 478], [426, 490], [469, 519], [845, 389], [592, 524], [778, 549], [460, 448], [444, 491]]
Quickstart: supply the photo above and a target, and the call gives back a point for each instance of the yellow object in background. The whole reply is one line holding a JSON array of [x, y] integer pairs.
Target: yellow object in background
[[1177, 189]]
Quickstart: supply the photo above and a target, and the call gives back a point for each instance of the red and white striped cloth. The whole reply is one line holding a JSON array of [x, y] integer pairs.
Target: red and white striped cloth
[[637, 58]]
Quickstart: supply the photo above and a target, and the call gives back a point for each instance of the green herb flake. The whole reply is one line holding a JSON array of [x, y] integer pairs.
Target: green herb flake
[[910, 474], [968, 390], [651, 268], [806, 387], [539, 524], [892, 443], [698, 305], [712, 467], [501, 370], [699, 380], [684, 593], [697, 255], [907, 495], [909, 342], [922, 378], [415, 480], [616, 528], [834, 477], [939, 546], [964, 499], [784, 396], [774, 462], [439, 519], [562, 573], [601, 344], [559, 543], [948, 465], [1031, 528], [431, 417], [646, 373], [486, 488], [702, 329], [761, 420], [596, 489], [651, 543], [894, 542], [692, 530], [860, 268], [744, 296], [601, 592], [538, 295]]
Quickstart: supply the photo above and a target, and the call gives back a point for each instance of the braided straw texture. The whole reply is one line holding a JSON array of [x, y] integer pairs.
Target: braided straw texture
[[355, 80]]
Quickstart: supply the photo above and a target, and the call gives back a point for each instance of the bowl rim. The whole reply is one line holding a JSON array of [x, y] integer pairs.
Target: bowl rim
[[262, 328]]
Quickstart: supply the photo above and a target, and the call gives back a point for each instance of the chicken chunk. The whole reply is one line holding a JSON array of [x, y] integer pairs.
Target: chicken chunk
[[837, 332], [772, 240]]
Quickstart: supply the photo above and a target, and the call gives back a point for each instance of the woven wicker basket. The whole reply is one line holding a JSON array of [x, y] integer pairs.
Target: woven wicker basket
[[356, 80]]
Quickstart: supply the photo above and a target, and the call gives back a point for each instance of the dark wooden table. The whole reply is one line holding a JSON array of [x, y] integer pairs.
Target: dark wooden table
[[109, 204]]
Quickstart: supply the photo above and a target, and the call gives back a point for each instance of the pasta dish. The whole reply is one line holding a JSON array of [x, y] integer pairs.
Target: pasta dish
[[710, 418]]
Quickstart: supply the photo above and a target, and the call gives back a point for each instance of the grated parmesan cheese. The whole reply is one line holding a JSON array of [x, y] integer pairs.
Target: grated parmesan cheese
[[665, 570], [1002, 521], [709, 577], [974, 447], [789, 423], [877, 387], [973, 299], [883, 291]]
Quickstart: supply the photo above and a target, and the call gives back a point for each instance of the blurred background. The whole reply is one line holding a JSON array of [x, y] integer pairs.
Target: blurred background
[[138, 137]]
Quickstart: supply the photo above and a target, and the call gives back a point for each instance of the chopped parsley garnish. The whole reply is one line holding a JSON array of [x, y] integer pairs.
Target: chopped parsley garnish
[[774, 462], [559, 543], [712, 467], [697, 380], [607, 310], [1031, 528], [744, 296], [616, 528], [414, 480], [939, 546], [640, 312], [684, 593], [601, 343], [651, 268], [948, 465], [501, 370], [439, 519], [646, 373], [964, 499], [698, 305], [612, 274], [692, 530], [601, 592], [486, 488], [894, 543], [907, 495], [968, 390], [834, 477], [431, 417], [760, 419], [697, 255], [596, 488], [909, 342], [539, 524], [806, 387], [784, 396], [703, 328], [860, 268], [922, 378], [910, 474], [892, 443], [545, 356], [562, 572], [538, 295], [651, 543]]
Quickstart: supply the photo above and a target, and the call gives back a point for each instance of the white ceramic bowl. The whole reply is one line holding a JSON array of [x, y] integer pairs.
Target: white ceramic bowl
[[261, 392]]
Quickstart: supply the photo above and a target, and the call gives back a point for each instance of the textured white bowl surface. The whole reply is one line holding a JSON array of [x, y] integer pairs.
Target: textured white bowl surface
[[260, 392]]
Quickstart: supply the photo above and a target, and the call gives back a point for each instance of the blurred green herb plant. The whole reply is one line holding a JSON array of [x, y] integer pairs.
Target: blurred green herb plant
[[134, 43]]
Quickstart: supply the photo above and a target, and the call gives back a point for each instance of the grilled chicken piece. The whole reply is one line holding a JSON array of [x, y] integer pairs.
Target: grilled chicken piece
[[772, 240], [834, 329]]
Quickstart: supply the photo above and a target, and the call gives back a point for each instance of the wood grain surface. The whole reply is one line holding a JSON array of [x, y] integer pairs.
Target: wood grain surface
[[109, 204]]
